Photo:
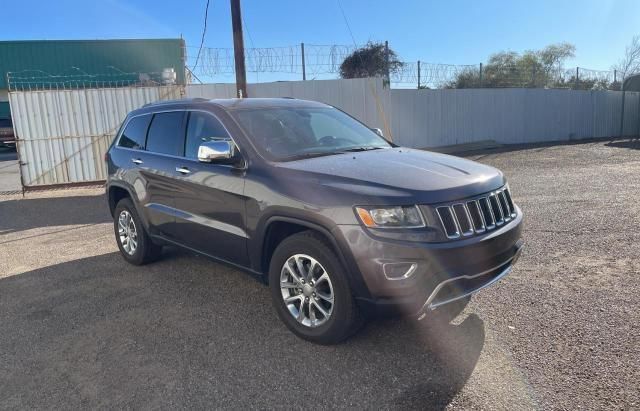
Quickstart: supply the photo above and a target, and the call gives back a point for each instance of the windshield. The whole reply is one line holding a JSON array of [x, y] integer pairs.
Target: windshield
[[282, 134]]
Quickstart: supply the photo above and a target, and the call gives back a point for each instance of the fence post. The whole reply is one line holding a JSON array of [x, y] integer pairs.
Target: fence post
[[418, 74], [577, 77], [386, 62], [638, 118], [622, 111], [304, 72], [480, 75]]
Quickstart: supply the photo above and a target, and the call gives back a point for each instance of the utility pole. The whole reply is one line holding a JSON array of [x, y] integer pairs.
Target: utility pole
[[238, 49], [480, 75], [577, 77], [304, 71], [418, 74]]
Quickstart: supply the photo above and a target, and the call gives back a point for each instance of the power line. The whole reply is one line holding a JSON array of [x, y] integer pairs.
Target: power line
[[246, 28], [204, 31], [344, 16]]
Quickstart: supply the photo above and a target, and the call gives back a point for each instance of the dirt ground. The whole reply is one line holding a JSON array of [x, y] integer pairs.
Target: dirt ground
[[80, 328]]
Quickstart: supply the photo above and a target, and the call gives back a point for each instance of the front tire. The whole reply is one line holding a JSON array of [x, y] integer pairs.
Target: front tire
[[133, 241], [310, 291]]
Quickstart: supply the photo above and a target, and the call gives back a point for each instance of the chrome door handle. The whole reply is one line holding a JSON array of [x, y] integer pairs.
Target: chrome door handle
[[183, 170], [136, 161]]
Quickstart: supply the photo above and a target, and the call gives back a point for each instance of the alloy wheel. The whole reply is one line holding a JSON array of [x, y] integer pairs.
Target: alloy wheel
[[127, 232], [306, 290]]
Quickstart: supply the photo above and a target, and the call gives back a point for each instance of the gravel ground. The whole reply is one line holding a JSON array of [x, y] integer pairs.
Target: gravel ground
[[80, 328]]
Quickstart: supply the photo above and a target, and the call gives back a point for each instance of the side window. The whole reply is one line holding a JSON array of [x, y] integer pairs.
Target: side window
[[202, 127], [166, 133], [134, 134]]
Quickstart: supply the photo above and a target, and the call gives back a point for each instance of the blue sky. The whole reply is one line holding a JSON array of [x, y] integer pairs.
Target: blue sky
[[455, 31]]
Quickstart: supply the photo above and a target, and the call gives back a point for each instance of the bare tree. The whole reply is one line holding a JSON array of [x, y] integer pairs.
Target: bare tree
[[630, 63]]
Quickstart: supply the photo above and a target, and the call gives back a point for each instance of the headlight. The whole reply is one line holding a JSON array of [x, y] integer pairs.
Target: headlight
[[391, 217]]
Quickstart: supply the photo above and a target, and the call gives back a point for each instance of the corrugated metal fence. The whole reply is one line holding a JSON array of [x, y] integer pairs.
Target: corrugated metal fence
[[63, 135], [432, 118]]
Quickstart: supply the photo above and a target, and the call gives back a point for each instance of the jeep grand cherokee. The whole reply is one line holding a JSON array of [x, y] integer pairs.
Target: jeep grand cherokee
[[334, 218]]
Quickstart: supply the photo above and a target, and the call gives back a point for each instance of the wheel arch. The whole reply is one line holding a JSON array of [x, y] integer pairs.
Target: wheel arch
[[115, 193], [277, 228]]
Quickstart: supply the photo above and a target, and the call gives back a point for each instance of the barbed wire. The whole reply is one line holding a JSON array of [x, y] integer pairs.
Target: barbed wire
[[326, 59], [319, 59], [323, 61], [27, 80]]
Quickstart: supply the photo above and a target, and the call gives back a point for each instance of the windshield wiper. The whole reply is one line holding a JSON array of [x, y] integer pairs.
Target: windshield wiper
[[310, 155], [356, 149]]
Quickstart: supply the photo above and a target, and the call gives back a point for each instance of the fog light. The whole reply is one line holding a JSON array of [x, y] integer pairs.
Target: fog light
[[399, 271]]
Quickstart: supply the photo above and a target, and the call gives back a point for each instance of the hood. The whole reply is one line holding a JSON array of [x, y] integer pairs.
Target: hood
[[401, 172]]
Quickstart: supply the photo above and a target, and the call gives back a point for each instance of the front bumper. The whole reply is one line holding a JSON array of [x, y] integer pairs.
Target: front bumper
[[444, 272], [457, 288]]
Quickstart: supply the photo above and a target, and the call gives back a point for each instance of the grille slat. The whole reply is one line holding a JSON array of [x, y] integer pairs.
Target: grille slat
[[505, 206], [507, 195], [464, 221], [495, 207], [487, 213], [448, 222], [478, 215]]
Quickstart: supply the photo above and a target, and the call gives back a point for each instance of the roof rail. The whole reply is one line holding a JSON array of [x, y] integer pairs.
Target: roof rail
[[180, 100]]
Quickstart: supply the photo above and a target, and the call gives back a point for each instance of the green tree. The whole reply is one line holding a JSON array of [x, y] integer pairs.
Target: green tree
[[533, 68], [369, 61]]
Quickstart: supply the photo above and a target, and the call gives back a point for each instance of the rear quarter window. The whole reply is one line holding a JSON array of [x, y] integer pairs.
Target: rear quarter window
[[135, 133]]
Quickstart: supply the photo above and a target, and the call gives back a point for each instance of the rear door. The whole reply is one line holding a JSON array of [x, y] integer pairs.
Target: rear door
[[138, 169], [157, 165], [210, 201]]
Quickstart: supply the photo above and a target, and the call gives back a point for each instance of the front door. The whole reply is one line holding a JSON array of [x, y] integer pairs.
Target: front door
[[210, 203]]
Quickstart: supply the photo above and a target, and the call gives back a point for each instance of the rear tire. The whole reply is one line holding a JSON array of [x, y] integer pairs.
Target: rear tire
[[320, 307], [133, 241]]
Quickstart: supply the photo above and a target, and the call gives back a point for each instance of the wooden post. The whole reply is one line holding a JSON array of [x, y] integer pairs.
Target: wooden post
[[238, 49]]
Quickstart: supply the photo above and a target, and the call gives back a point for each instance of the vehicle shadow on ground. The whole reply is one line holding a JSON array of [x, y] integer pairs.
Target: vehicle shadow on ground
[[631, 143], [28, 213], [99, 332]]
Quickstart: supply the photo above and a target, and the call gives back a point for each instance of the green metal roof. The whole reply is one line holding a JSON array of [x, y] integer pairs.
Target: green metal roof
[[89, 60]]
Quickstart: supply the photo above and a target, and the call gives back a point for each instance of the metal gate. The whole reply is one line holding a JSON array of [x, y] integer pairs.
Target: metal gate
[[62, 135]]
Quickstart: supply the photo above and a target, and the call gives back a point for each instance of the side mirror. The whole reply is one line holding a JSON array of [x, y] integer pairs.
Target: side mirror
[[216, 150], [378, 132]]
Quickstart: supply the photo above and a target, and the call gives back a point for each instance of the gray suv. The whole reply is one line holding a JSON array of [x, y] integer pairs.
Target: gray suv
[[337, 221]]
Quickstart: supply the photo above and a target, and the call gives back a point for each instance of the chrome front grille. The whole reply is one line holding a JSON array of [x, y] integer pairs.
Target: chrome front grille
[[476, 216]]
